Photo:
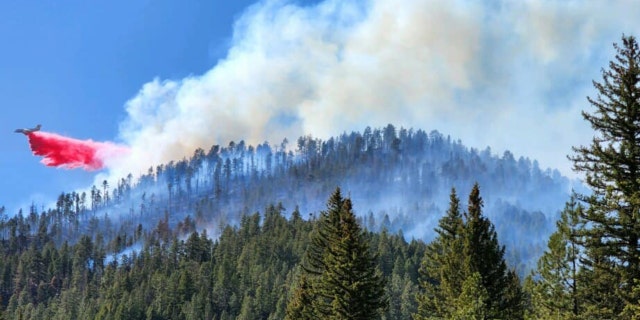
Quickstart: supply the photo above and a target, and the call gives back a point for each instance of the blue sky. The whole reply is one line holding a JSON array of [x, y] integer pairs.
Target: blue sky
[[166, 77], [71, 65]]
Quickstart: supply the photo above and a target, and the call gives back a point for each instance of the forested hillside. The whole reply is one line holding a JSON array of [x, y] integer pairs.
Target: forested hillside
[[243, 232], [90, 242], [398, 179], [246, 273]]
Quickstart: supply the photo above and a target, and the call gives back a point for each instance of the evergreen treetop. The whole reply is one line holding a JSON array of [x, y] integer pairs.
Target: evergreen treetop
[[555, 288], [464, 271], [340, 277], [611, 165]]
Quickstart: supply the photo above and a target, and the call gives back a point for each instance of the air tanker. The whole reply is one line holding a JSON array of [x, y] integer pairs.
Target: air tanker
[[28, 131]]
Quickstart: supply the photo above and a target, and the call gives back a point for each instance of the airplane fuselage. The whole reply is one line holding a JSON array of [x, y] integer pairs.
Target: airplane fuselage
[[28, 131]]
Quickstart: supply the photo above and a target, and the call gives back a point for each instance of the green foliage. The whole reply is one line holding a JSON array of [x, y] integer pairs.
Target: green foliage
[[555, 291], [343, 281], [325, 233], [80, 243], [443, 268], [249, 272], [301, 304], [611, 164], [351, 282], [632, 310], [471, 304], [464, 272]]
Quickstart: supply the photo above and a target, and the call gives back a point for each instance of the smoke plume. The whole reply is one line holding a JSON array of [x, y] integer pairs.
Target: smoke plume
[[506, 74], [69, 153]]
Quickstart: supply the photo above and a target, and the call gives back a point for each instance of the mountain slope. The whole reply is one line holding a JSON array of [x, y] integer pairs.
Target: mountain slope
[[399, 179]]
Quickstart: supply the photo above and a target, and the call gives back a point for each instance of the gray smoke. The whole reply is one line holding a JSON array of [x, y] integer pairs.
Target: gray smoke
[[509, 74]]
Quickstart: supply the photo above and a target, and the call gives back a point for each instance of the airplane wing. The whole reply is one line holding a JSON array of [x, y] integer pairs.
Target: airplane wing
[[27, 131]]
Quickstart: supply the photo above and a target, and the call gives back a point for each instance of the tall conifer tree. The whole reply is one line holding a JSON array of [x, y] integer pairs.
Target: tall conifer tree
[[611, 164], [351, 285], [485, 255], [340, 278], [325, 232], [471, 304], [443, 269], [464, 272], [299, 307], [555, 291]]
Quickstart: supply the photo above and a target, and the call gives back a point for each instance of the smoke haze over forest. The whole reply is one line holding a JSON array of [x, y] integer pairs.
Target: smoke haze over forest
[[398, 178], [478, 72], [510, 75], [190, 147], [505, 74]]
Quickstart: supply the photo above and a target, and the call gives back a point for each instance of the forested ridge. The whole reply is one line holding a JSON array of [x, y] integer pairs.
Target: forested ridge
[[247, 232], [65, 261], [398, 180], [247, 272]]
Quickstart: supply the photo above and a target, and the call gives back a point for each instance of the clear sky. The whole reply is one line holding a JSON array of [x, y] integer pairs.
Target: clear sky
[[506, 74]]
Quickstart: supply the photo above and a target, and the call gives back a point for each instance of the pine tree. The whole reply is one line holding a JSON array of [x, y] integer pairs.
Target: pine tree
[[464, 272], [442, 269], [351, 282], [299, 307], [472, 302], [486, 256], [611, 164], [632, 310], [513, 297], [555, 291], [313, 265], [325, 232], [343, 280], [599, 296]]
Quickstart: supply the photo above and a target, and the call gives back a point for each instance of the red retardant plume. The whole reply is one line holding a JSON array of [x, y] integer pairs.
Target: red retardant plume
[[69, 153]]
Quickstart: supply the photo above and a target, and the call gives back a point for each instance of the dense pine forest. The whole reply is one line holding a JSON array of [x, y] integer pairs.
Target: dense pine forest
[[398, 178], [365, 225], [246, 273]]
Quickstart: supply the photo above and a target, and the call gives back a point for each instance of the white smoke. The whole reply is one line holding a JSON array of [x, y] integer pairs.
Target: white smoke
[[508, 74]]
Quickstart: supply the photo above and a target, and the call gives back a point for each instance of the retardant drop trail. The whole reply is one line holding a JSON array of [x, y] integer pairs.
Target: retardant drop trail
[[69, 153]]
